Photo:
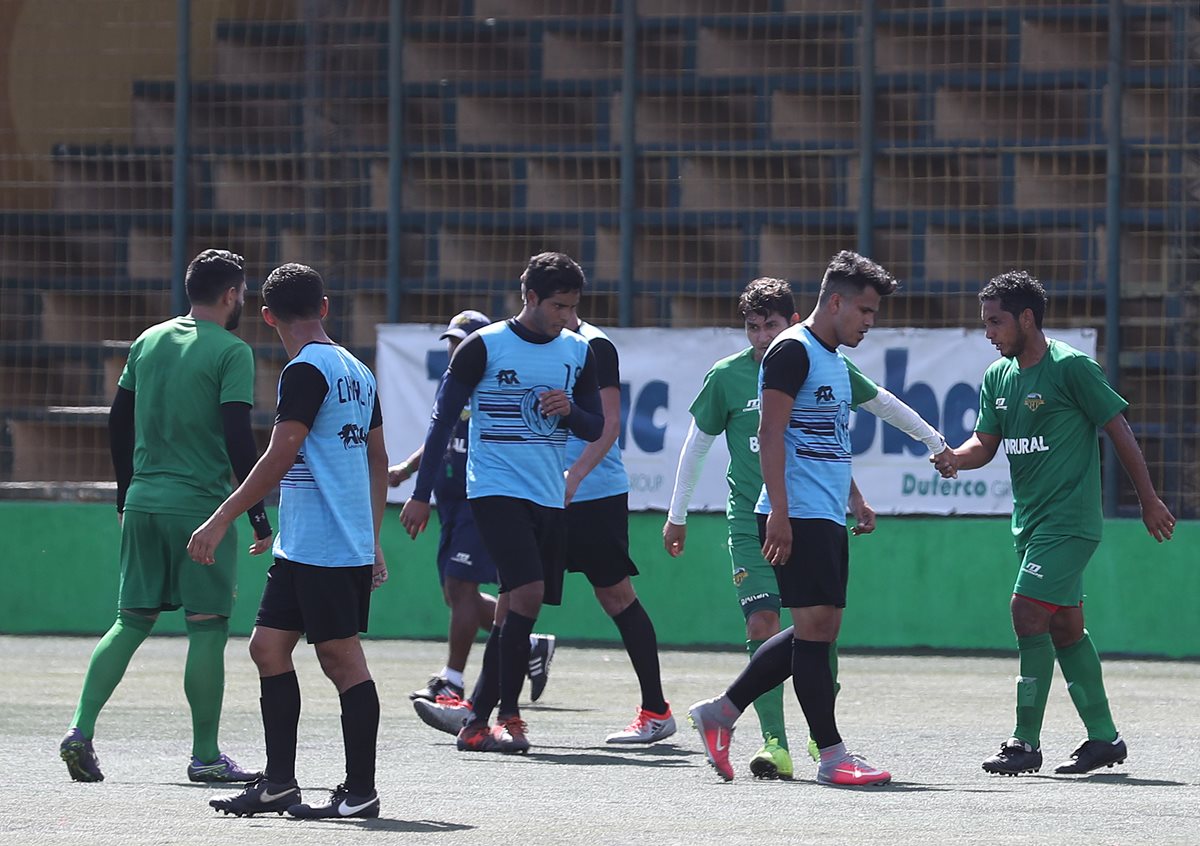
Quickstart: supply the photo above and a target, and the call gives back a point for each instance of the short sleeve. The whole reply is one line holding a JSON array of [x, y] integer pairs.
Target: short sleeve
[[1092, 392], [988, 421], [608, 366], [862, 389], [785, 367], [709, 406], [302, 392], [376, 414], [128, 379], [237, 375]]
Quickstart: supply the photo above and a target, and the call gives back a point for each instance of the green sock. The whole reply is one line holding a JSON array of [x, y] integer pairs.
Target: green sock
[[1033, 686], [1085, 682], [769, 706], [204, 683], [110, 658]]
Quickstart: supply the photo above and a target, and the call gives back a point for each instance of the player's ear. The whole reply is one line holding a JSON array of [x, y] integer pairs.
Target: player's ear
[[324, 307], [795, 319], [268, 318]]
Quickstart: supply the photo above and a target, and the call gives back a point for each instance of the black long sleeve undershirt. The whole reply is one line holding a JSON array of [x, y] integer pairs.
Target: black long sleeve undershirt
[[243, 454], [120, 442]]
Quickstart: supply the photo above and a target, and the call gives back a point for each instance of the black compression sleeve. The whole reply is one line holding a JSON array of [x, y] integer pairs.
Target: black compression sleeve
[[452, 397], [302, 390], [120, 442], [243, 453], [586, 419], [469, 362], [785, 367], [608, 364]]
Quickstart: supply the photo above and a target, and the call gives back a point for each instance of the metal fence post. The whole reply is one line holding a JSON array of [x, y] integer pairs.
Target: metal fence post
[[395, 158], [179, 168], [1112, 236], [628, 213], [866, 131]]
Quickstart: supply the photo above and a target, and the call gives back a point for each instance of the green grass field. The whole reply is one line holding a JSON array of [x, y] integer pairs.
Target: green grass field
[[928, 719]]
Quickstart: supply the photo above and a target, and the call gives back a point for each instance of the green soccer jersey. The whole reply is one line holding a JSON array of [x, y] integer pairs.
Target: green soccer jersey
[[181, 372], [1047, 416], [728, 402]]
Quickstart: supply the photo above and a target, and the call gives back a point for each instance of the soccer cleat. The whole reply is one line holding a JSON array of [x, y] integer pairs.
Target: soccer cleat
[[341, 803], [1094, 754], [1015, 757], [647, 727], [437, 686], [772, 761], [813, 751], [541, 653], [259, 797], [509, 735], [82, 762], [716, 734], [448, 713], [852, 771], [476, 736], [224, 769]]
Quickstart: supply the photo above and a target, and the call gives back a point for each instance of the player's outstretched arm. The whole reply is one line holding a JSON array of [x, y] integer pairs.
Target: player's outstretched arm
[[404, 471], [1160, 523], [286, 439], [696, 445], [975, 452]]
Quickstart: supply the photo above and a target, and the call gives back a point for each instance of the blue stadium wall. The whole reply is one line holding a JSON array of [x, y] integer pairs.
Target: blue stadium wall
[[941, 583]]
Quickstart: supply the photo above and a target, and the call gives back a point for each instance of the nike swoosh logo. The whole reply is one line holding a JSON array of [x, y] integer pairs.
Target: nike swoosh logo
[[346, 809], [718, 745], [267, 796]]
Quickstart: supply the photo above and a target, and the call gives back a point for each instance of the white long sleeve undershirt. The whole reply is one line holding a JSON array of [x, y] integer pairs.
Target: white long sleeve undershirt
[[887, 408], [691, 461]]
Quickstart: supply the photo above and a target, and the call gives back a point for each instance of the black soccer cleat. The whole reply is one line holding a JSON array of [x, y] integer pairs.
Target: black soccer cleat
[[541, 653], [1015, 757], [437, 686], [1094, 754], [342, 803], [259, 797], [80, 757]]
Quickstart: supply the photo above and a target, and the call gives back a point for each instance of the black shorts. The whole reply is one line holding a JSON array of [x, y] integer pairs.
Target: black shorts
[[326, 603], [818, 569], [525, 540], [598, 540]]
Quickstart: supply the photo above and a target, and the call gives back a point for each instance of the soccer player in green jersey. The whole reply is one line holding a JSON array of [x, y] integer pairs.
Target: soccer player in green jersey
[[1044, 401], [192, 384], [728, 402]]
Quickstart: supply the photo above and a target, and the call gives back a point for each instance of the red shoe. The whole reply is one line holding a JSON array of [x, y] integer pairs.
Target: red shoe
[[509, 735], [852, 771], [715, 735], [476, 737]]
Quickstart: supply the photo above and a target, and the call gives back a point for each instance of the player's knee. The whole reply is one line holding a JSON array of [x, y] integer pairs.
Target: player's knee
[[762, 625], [616, 598]]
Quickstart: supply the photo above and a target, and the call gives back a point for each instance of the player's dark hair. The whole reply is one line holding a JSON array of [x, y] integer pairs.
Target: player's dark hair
[[766, 296], [1016, 291], [294, 292], [548, 274], [849, 274], [211, 274]]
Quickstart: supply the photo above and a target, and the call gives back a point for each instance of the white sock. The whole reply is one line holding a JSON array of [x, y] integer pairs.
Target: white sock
[[455, 677]]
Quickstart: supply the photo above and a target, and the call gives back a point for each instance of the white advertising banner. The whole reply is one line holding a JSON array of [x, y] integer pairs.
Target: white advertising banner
[[936, 371]]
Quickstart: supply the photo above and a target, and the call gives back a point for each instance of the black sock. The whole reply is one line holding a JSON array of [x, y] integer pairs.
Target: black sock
[[280, 703], [487, 685], [637, 633], [769, 667], [514, 660], [812, 680], [360, 730]]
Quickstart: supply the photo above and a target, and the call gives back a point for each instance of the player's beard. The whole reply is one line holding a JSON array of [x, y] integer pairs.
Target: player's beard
[[234, 318]]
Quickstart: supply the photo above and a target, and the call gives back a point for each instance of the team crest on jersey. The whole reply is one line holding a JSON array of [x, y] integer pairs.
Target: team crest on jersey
[[1001, 404], [1034, 401], [531, 412], [739, 576], [465, 414]]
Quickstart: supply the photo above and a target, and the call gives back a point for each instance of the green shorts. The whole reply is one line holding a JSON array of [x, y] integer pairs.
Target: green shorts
[[754, 579], [158, 575], [1052, 569]]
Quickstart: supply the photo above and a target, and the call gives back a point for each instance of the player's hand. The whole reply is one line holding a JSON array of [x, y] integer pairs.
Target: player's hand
[[379, 571], [261, 545], [864, 516], [397, 474], [946, 463], [554, 402], [121, 519], [1160, 522], [206, 539], [572, 483], [674, 538], [777, 548], [414, 517]]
